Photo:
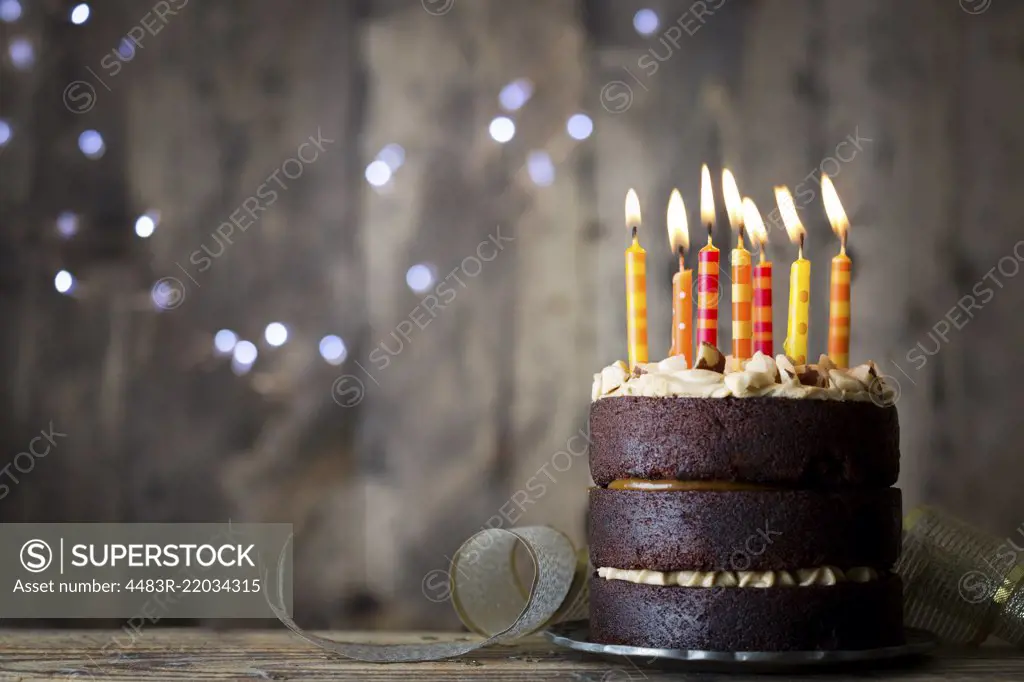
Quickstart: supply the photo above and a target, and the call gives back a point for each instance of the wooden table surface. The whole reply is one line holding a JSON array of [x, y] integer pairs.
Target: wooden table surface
[[195, 654]]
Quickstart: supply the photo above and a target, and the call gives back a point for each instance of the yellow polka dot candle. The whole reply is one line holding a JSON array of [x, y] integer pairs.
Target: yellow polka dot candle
[[682, 281], [839, 289], [636, 286], [799, 280]]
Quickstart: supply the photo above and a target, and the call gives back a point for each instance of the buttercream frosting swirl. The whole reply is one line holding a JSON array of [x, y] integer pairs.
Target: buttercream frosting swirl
[[760, 376], [801, 577]]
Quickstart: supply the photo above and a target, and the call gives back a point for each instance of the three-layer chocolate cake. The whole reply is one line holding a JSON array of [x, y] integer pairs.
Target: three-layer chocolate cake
[[746, 510]]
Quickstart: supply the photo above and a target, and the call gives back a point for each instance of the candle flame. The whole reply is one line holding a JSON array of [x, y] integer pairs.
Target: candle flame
[[753, 223], [787, 209], [678, 231], [707, 199], [733, 202], [834, 209], [632, 209]]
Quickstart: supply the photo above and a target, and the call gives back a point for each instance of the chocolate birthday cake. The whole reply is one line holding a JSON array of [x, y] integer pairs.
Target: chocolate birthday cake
[[749, 509]]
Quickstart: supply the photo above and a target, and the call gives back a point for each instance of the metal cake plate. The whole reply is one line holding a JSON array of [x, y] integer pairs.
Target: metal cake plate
[[576, 635]]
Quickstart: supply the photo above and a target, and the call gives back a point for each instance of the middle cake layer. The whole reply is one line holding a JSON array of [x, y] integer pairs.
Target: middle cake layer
[[743, 530]]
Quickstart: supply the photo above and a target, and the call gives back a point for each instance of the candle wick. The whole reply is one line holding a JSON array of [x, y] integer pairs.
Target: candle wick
[[682, 258], [635, 230], [711, 228], [842, 246], [762, 254], [742, 231], [802, 246]]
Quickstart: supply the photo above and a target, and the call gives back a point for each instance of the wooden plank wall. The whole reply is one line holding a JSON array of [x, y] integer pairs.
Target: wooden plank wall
[[386, 468]]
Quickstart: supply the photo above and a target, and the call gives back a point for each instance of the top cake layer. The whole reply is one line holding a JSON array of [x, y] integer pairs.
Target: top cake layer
[[768, 423]]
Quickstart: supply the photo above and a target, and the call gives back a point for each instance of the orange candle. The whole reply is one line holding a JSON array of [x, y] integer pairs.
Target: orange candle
[[682, 281], [839, 291], [762, 313], [707, 269], [636, 286], [742, 290]]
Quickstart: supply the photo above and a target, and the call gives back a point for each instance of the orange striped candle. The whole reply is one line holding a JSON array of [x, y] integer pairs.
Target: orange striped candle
[[707, 269], [762, 313], [839, 291], [636, 286], [742, 291], [682, 281]]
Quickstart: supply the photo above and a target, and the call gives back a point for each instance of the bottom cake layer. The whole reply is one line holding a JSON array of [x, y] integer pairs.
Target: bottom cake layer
[[843, 616]]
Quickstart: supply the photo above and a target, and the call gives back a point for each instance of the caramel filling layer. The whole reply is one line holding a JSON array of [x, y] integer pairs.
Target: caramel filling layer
[[645, 484], [801, 577]]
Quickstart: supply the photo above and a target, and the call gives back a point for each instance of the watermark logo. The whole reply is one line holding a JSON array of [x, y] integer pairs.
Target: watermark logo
[[438, 8], [348, 390], [168, 293], [616, 97], [36, 556], [975, 6]]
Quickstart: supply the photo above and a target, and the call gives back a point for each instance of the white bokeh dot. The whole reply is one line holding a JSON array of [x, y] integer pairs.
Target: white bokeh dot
[[5, 132], [378, 173], [393, 155], [516, 94], [64, 282], [333, 349], [10, 11], [224, 341], [276, 334], [67, 224], [22, 54], [91, 144], [540, 168], [502, 129], [145, 225], [80, 14], [245, 352], [580, 126], [645, 22], [420, 277]]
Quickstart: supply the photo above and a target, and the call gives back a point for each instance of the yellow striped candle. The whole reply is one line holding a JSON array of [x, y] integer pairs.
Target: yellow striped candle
[[742, 290], [707, 269], [762, 311], [636, 286], [839, 290], [799, 281]]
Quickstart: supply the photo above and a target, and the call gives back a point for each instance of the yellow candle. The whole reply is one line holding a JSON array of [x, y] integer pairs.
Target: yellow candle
[[636, 286], [682, 281], [799, 280], [839, 289], [742, 287]]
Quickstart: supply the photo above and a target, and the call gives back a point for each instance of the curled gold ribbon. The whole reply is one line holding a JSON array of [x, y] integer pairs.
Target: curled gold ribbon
[[487, 594]]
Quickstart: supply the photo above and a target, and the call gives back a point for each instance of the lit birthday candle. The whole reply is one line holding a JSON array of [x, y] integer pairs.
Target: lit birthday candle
[[636, 286], [799, 280], [742, 291], [839, 290], [707, 268], [762, 313], [682, 281]]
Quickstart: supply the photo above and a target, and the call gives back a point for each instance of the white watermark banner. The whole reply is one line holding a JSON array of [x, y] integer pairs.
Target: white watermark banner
[[141, 570]]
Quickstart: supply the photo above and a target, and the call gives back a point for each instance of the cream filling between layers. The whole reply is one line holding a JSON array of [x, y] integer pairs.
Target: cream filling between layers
[[801, 577], [755, 379]]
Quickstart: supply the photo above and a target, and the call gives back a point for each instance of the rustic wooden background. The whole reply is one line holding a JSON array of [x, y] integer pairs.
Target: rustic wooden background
[[470, 416]]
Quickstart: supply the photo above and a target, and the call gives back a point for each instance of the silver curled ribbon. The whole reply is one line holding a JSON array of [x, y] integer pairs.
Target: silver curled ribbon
[[487, 593]]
